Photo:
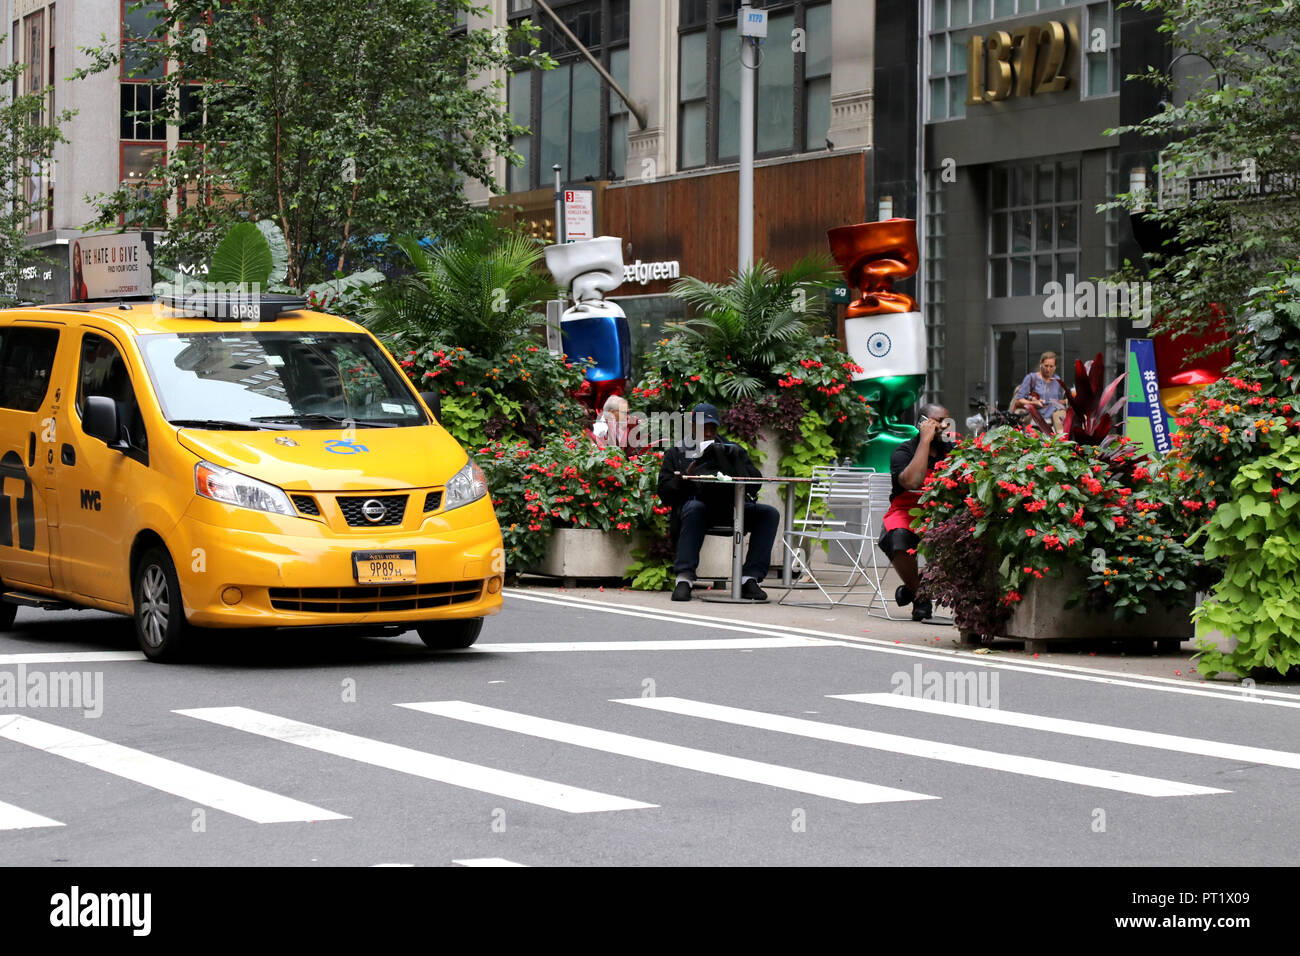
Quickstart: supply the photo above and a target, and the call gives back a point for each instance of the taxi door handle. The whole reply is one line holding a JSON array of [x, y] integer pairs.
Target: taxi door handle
[[68, 455], [31, 449]]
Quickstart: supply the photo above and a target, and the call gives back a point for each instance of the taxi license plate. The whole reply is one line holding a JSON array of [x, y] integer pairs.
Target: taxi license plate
[[384, 567]]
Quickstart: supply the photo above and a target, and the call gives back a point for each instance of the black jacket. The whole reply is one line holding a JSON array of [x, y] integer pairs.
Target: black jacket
[[722, 458]]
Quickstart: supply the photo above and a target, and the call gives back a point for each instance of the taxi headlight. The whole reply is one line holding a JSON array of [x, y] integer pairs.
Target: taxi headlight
[[468, 484], [232, 488]]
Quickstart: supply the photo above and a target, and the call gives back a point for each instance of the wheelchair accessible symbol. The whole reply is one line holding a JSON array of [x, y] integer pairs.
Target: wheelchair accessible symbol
[[878, 344], [340, 447]]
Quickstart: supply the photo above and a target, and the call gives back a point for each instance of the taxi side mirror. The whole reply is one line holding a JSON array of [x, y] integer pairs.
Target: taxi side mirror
[[100, 419], [434, 401]]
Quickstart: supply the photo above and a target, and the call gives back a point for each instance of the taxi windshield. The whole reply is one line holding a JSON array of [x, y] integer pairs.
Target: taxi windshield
[[254, 379]]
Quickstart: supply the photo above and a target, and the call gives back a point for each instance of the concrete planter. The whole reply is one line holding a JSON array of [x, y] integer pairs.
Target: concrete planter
[[1042, 617], [576, 553], [587, 553]]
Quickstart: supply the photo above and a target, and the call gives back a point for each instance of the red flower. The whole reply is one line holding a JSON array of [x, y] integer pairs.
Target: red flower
[[1030, 532]]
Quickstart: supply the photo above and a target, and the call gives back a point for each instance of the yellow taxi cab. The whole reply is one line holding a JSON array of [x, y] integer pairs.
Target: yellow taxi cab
[[197, 472]]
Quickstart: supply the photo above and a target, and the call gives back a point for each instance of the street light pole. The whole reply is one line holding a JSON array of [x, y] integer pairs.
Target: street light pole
[[559, 206], [752, 27]]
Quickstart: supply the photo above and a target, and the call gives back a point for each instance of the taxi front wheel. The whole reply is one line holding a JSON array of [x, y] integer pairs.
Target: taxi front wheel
[[450, 635], [160, 624]]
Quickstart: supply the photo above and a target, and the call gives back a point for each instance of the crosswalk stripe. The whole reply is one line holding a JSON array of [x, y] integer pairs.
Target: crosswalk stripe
[[1083, 728], [16, 818], [72, 657], [418, 763], [190, 783], [698, 644], [488, 861], [721, 765], [934, 750]]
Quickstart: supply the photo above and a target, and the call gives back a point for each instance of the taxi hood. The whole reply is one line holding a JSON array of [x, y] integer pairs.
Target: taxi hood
[[363, 459]]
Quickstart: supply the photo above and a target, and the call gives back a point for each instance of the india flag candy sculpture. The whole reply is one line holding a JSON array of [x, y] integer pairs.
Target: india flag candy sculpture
[[884, 331], [593, 329]]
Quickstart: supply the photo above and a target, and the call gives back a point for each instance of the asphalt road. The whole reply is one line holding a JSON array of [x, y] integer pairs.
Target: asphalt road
[[572, 734]]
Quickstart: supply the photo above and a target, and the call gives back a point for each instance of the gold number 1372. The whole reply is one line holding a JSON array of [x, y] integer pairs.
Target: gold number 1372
[[1027, 61]]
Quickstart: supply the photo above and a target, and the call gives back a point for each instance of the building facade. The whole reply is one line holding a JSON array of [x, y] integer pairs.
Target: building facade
[[669, 188], [105, 145]]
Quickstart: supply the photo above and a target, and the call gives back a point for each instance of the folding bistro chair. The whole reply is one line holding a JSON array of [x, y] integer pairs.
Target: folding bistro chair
[[845, 508]]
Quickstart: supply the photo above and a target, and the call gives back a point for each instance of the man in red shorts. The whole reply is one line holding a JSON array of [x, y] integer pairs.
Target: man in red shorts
[[908, 466]]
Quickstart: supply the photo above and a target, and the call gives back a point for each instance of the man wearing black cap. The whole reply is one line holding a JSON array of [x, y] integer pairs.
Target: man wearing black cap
[[698, 506]]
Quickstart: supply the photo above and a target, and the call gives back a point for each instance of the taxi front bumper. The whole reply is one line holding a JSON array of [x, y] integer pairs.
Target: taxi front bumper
[[285, 572]]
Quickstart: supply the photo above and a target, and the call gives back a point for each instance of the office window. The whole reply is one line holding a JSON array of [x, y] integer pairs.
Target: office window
[[792, 94], [1100, 40], [520, 95], [573, 118], [692, 95], [817, 77], [1033, 226], [618, 115]]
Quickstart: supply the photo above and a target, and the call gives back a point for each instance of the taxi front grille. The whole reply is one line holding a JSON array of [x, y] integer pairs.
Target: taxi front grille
[[369, 599], [353, 509]]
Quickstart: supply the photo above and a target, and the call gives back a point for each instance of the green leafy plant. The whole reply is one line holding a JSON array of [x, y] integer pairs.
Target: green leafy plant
[[1039, 503], [756, 320], [479, 290], [1257, 535], [242, 257], [523, 393], [568, 482]]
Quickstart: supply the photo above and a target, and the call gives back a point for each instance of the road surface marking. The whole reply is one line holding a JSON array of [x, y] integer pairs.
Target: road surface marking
[[72, 657], [1082, 728], [488, 861], [697, 644], [16, 818], [933, 750], [1255, 695], [189, 783], [418, 763], [721, 765]]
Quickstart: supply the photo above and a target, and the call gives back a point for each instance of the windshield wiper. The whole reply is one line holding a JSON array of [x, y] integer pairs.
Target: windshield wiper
[[215, 424], [318, 417]]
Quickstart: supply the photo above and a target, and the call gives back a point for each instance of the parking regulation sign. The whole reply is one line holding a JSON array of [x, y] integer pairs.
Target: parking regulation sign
[[579, 214]]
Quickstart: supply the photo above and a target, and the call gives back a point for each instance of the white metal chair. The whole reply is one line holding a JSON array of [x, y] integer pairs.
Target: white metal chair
[[845, 508]]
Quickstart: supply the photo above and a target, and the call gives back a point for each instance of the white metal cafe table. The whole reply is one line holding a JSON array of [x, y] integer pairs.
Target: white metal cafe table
[[738, 528]]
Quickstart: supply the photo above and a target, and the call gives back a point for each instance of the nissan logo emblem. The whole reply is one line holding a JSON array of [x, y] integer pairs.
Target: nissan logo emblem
[[373, 509]]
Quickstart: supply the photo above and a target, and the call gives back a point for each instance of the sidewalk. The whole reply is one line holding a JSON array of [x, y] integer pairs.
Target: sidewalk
[[856, 623]]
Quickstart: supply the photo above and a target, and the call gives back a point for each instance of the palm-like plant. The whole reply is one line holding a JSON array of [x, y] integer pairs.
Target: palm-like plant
[[478, 290], [756, 320]]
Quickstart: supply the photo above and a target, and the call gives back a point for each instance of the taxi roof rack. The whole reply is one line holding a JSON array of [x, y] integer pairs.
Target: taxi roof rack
[[237, 306]]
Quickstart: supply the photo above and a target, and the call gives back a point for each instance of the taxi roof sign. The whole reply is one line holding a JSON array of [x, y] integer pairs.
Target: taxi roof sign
[[227, 305]]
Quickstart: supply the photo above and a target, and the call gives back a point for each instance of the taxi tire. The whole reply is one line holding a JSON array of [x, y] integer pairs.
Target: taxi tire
[[159, 614], [450, 635], [7, 614]]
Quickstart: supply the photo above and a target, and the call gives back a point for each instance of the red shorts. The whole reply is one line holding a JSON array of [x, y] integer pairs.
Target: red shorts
[[897, 517]]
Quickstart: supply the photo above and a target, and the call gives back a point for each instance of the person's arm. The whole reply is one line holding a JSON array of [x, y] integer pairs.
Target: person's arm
[[1021, 396], [671, 489], [912, 476]]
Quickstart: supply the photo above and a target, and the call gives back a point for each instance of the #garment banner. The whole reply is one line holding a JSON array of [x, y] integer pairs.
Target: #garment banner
[[1148, 424]]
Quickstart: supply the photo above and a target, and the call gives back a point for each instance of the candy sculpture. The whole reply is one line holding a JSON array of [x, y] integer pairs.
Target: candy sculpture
[[593, 329], [884, 332]]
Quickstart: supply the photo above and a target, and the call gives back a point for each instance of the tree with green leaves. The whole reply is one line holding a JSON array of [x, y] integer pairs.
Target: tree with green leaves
[[27, 139], [338, 122], [1228, 163]]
